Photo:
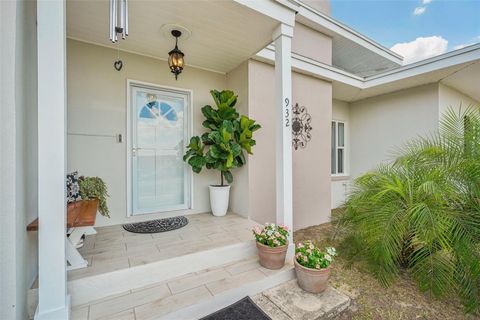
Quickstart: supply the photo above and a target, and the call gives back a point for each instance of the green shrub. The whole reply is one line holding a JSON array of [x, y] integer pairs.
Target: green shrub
[[95, 188], [421, 213]]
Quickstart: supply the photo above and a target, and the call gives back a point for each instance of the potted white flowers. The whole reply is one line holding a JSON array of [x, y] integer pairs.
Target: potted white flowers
[[312, 266], [272, 245]]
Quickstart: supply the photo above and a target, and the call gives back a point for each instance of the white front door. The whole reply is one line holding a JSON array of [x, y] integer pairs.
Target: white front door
[[159, 125]]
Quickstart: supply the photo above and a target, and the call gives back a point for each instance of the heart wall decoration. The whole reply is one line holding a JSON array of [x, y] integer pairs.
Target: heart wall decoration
[[118, 65]]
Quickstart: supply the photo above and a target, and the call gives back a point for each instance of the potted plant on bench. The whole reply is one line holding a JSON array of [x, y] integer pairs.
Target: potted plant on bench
[[92, 188], [222, 147]]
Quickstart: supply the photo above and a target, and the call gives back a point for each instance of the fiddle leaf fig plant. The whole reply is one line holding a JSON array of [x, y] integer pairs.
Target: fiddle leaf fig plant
[[229, 135]]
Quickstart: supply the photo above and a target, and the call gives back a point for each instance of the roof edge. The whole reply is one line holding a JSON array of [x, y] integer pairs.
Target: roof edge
[[332, 73], [336, 27], [421, 63]]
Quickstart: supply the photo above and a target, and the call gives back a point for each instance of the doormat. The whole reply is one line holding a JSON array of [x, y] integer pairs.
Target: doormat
[[244, 309], [155, 226]]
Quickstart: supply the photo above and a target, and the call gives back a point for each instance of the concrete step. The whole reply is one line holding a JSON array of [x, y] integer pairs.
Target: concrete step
[[289, 302], [190, 296], [96, 287], [87, 289]]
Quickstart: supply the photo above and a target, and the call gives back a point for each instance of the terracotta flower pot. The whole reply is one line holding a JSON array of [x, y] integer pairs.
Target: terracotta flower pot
[[312, 280], [272, 258]]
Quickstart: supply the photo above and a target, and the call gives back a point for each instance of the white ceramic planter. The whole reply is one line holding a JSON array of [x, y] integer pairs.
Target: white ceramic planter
[[219, 196]]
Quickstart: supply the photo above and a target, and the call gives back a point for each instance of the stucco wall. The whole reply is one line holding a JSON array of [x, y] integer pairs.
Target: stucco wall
[[97, 105], [321, 5], [449, 97], [380, 124], [261, 166], [311, 166], [312, 44], [237, 80], [339, 185]]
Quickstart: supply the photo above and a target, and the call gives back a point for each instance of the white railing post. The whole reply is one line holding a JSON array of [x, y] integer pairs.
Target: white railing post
[[282, 36], [53, 301]]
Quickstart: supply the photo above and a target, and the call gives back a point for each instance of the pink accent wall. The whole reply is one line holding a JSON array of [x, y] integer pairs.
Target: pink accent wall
[[321, 5], [312, 44], [311, 166]]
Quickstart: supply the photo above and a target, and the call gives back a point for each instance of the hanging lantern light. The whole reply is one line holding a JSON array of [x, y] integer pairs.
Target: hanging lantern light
[[175, 57], [118, 19]]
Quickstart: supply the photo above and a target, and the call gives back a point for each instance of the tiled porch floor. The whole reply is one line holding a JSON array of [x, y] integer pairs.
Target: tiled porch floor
[[156, 300], [113, 248]]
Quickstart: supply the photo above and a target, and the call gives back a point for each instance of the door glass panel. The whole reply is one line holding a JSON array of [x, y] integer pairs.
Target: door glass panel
[[333, 148], [159, 176]]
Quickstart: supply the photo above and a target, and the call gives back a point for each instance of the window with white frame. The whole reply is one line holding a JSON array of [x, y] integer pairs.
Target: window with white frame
[[338, 147]]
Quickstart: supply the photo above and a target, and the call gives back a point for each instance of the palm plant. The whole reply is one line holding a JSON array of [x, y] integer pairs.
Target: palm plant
[[421, 212]]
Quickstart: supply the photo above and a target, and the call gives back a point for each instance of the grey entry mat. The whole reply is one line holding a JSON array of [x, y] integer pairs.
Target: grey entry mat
[[155, 226], [244, 309]]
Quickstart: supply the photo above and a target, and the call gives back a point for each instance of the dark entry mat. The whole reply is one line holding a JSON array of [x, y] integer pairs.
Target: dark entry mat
[[244, 309], [155, 226]]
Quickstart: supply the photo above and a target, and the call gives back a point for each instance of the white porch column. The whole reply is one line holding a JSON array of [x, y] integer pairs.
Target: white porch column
[[282, 37], [53, 302]]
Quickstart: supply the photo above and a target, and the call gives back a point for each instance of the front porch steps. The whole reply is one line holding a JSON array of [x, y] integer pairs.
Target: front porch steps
[[87, 289], [189, 296]]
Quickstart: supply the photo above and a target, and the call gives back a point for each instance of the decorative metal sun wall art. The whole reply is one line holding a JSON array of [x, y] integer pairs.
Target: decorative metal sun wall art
[[301, 127]]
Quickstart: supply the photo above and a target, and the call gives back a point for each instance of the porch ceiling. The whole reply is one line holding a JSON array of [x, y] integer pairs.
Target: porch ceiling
[[223, 33]]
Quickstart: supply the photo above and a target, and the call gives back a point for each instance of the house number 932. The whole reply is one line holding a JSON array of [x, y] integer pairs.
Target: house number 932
[[287, 112]]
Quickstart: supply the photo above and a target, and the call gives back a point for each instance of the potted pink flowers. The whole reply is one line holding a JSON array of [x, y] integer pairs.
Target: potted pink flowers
[[312, 266], [272, 245]]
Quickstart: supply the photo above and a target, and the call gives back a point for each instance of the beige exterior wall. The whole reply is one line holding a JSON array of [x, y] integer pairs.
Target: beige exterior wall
[[321, 5], [379, 125], [97, 105], [311, 166], [452, 98], [339, 184], [237, 80], [261, 166], [312, 44]]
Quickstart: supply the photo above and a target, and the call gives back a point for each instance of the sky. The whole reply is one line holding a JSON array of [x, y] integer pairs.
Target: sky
[[416, 29]]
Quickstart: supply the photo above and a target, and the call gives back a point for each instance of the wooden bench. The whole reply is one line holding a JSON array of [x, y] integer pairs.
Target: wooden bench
[[80, 221]]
